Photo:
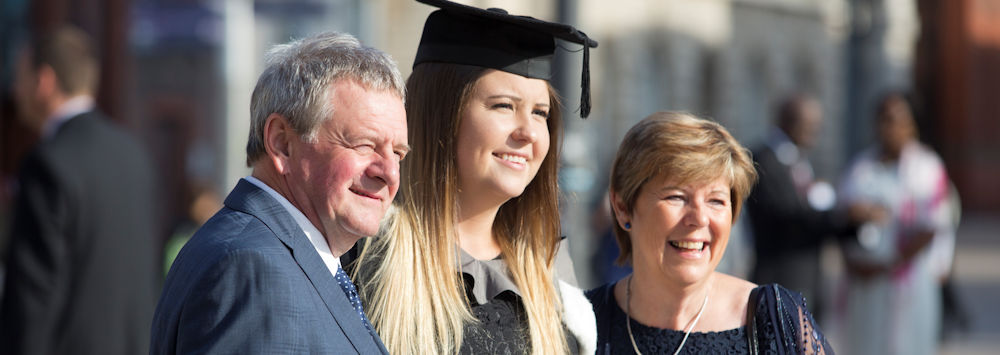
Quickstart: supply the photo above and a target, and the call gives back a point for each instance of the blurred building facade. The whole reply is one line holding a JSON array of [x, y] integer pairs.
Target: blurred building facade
[[181, 73], [957, 73]]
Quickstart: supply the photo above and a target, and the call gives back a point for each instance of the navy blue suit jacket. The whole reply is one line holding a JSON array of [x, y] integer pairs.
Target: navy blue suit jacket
[[250, 282]]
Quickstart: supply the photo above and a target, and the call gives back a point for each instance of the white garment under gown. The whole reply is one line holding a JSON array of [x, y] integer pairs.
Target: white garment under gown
[[899, 312]]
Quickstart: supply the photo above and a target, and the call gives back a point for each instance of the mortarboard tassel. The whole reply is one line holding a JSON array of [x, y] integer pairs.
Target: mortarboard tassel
[[585, 82]]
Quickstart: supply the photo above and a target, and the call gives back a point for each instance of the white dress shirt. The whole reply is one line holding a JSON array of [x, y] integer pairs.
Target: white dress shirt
[[69, 109]]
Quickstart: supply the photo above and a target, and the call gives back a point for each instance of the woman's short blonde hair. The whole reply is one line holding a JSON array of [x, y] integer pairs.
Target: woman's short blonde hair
[[684, 148]]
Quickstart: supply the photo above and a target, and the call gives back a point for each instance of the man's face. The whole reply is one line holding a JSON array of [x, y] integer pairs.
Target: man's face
[[345, 181], [807, 128]]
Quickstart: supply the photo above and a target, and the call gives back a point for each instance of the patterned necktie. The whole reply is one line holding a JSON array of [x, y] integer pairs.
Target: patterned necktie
[[352, 295]]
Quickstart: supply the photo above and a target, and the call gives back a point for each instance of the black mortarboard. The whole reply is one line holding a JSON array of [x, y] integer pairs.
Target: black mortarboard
[[492, 38]]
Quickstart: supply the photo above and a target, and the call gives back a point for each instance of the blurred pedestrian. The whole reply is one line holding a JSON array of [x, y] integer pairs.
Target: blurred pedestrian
[[790, 210], [202, 203], [893, 299], [604, 262], [82, 273]]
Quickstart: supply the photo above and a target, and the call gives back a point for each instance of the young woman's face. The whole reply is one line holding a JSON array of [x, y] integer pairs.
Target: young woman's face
[[503, 136]]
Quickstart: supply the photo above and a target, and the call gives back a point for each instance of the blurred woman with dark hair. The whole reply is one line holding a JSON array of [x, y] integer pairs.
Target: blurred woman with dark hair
[[895, 264]]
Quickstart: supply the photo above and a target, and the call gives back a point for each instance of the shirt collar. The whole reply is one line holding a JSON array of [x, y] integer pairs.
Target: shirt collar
[[69, 109], [782, 146], [489, 277], [314, 235]]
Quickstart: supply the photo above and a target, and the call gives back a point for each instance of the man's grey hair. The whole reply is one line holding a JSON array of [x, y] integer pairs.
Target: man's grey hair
[[298, 77]]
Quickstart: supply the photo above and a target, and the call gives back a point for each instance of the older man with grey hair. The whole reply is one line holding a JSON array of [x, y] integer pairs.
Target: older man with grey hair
[[263, 276]]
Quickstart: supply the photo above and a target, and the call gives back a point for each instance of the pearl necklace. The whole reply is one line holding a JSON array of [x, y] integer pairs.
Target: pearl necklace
[[628, 323]]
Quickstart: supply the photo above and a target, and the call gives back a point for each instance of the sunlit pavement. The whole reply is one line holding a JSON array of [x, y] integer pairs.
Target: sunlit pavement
[[977, 272]]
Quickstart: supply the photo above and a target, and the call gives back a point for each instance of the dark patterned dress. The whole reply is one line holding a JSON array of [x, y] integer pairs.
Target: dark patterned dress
[[502, 326], [781, 325]]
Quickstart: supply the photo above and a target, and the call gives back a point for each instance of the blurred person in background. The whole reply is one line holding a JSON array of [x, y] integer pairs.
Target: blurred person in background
[[82, 265], [202, 202], [790, 210], [893, 300], [263, 275], [473, 261], [603, 262], [677, 185]]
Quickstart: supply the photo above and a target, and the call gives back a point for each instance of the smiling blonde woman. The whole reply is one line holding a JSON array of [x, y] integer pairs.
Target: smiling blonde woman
[[677, 185]]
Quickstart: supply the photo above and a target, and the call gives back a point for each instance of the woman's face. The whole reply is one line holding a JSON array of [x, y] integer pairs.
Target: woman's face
[[679, 232], [895, 127], [503, 136]]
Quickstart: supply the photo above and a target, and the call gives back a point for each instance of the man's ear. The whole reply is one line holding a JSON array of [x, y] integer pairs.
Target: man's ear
[[621, 213], [47, 83], [278, 136]]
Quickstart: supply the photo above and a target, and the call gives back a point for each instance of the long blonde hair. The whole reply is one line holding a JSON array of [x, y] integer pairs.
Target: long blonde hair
[[415, 296]]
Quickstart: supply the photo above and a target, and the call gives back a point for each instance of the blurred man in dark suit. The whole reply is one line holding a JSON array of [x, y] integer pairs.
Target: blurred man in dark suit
[[81, 271], [790, 211]]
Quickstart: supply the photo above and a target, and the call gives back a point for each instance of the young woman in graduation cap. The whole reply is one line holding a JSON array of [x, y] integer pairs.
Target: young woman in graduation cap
[[472, 261]]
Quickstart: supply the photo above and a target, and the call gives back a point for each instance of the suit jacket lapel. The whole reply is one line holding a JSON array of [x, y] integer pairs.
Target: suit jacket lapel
[[248, 198]]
